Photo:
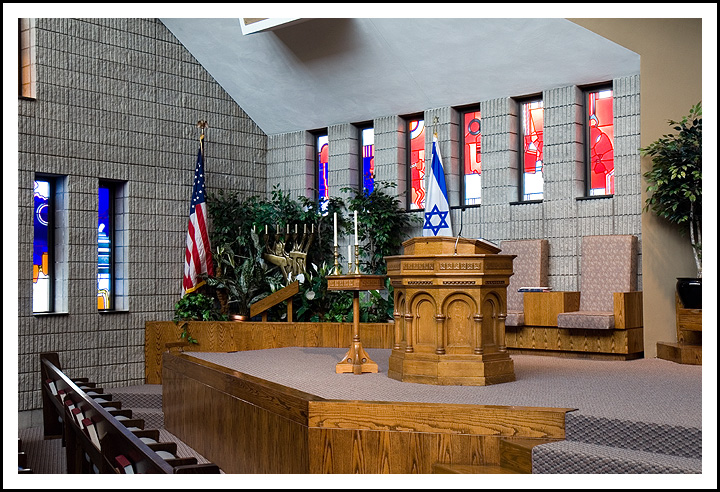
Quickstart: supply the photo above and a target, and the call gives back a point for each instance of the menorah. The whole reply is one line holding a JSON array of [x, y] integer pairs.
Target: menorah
[[293, 262]]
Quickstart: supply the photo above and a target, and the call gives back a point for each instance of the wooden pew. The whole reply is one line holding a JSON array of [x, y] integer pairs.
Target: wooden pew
[[98, 440]]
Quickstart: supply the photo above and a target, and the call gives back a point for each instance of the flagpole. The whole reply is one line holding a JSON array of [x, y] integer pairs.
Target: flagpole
[[202, 124]]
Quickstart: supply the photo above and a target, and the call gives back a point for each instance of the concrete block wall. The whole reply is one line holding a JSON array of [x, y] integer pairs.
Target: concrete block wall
[[563, 217], [119, 99]]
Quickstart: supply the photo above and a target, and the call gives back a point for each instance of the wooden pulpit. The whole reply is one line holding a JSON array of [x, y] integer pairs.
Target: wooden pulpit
[[450, 307]]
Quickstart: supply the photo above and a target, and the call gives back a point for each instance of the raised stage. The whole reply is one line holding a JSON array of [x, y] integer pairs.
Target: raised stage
[[286, 410]]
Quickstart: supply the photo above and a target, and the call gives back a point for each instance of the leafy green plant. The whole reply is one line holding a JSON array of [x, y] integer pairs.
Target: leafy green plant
[[195, 306], [241, 272], [319, 304], [382, 227], [675, 180]]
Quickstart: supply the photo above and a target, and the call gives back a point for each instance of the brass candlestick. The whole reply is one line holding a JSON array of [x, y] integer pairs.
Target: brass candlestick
[[337, 264], [357, 260]]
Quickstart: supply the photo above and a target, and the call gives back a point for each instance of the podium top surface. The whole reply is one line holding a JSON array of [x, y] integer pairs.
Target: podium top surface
[[356, 282], [445, 245]]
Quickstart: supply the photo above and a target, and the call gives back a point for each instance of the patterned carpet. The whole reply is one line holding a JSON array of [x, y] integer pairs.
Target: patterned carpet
[[648, 390], [641, 416]]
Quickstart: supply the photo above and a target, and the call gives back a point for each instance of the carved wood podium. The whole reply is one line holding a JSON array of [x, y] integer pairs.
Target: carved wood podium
[[450, 310]]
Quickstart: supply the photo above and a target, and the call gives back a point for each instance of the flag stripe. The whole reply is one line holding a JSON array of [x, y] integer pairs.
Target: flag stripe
[[198, 259], [437, 207]]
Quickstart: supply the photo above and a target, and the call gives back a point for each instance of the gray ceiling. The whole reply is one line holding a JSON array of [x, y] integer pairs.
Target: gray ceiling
[[320, 72]]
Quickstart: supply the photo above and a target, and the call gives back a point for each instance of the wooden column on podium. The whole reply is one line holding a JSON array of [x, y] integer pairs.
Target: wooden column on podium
[[450, 310], [356, 360]]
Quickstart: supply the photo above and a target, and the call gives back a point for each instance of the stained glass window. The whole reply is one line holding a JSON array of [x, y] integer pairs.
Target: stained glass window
[[471, 157], [367, 138], [104, 252], [532, 151], [417, 163], [600, 143], [42, 247], [322, 176]]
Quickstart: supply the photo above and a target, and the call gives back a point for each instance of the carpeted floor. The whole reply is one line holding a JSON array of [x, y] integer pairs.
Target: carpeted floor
[[647, 390]]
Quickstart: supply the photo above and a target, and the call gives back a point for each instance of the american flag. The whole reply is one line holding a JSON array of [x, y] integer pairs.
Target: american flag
[[198, 258]]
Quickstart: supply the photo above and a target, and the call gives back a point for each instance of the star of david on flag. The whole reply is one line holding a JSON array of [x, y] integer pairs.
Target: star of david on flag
[[437, 208]]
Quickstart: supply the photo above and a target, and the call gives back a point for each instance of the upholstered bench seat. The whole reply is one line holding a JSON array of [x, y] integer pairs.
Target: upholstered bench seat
[[586, 320]]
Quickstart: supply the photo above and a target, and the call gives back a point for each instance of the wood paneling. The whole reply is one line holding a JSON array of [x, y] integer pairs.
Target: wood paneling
[[248, 425], [628, 309], [625, 342], [542, 308]]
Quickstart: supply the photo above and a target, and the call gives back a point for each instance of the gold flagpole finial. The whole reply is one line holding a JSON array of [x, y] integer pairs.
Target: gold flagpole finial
[[435, 122], [202, 124]]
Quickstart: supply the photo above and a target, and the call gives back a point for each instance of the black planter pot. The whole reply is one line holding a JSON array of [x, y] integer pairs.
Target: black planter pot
[[690, 292]]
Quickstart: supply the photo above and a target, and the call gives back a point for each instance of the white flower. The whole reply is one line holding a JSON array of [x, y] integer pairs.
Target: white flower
[[310, 295], [300, 278]]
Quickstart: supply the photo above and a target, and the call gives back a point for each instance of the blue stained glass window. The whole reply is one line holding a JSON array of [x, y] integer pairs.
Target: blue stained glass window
[[104, 273], [322, 160], [368, 160], [42, 234]]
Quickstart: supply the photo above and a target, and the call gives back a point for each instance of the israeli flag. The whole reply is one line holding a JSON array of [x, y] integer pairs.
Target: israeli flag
[[437, 208]]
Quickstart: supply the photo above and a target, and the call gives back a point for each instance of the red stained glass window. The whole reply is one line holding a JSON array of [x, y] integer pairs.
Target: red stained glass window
[[417, 163], [601, 142], [532, 153], [322, 177], [471, 157]]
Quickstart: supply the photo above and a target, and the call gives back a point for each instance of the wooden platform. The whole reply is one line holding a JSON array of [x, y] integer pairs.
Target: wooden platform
[[228, 336], [249, 425]]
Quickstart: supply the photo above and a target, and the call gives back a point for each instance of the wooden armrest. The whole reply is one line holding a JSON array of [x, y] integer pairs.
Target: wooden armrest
[[542, 308], [151, 433], [140, 423], [628, 309], [181, 461], [170, 447], [125, 413], [198, 468]]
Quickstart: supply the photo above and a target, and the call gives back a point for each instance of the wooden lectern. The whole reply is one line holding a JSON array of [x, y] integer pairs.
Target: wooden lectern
[[450, 307], [356, 360]]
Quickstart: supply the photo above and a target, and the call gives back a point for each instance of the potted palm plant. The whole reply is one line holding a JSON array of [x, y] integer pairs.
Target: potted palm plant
[[675, 191], [240, 274]]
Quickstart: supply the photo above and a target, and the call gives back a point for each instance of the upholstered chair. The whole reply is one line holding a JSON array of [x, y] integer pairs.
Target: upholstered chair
[[608, 285], [530, 269]]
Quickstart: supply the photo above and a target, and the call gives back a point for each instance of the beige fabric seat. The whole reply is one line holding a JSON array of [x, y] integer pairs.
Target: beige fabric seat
[[609, 265], [530, 269]]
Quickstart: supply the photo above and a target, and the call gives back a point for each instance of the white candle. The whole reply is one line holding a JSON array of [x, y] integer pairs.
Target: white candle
[[304, 228], [287, 229], [266, 229], [295, 228], [335, 230], [349, 255], [356, 236]]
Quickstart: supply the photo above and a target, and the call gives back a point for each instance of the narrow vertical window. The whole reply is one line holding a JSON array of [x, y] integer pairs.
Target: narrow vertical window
[[470, 138], [105, 248], [322, 150], [532, 150], [26, 58], [43, 275], [600, 138], [416, 163], [367, 169]]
